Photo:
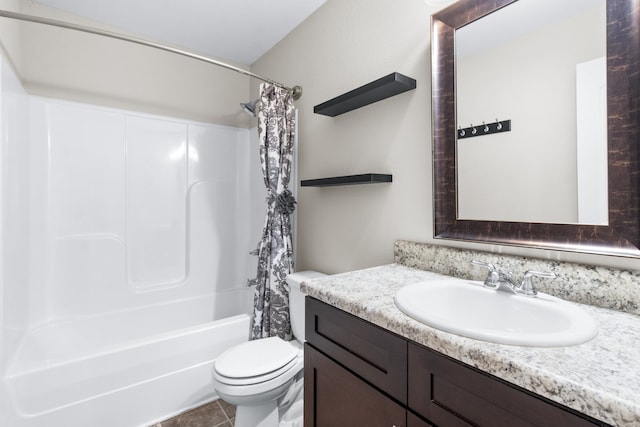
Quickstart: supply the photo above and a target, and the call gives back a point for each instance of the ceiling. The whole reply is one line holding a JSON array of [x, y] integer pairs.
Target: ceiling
[[240, 31]]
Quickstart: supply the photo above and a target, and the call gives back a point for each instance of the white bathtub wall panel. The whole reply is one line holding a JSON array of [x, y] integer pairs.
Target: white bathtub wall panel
[[14, 228], [246, 242], [87, 177], [87, 269], [219, 182], [214, 217], [213, 237], [82, 306], [156, 202], [232, 302], [38, 212], [213, 153], [14, 202], [257, 190], [87, 276], [210, 148], [90, 281], [87, 210]]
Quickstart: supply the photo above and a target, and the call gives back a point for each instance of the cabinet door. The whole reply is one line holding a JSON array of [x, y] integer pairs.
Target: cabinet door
[[415, 421], [449, 393], [334, 397], [372, 353]]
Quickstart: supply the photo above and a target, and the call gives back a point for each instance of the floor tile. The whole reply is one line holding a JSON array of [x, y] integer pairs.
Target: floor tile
[[209, 415], [228, 409]]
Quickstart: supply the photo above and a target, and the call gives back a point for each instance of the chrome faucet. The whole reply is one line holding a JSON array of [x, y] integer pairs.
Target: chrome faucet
[[502, 281]]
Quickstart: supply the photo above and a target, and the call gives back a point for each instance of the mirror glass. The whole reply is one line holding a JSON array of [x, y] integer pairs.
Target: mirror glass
[[541, 66]]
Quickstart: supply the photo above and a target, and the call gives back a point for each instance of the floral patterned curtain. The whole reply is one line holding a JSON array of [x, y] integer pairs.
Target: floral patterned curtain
[[276, 127]]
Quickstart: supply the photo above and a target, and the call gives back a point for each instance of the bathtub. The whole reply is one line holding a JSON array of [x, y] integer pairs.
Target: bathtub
[[127, 369]]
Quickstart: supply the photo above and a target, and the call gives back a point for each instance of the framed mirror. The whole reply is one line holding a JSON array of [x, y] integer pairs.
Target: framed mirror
[[615, 230]]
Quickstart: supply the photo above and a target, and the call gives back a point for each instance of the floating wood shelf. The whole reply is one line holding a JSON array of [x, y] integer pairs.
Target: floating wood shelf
[[377, 90], [367, 178]]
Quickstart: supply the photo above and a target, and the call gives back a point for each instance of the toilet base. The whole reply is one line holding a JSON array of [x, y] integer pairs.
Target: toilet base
[[294, 417], [265, 415]]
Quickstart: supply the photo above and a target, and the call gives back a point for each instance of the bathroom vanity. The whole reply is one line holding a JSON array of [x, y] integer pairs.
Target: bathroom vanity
[[366, 363], [416, 379]]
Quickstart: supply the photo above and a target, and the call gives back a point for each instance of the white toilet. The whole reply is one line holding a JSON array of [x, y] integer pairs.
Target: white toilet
[[263, 378]]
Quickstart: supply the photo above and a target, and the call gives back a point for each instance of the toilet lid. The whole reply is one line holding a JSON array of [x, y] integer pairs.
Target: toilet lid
[[255, 358]]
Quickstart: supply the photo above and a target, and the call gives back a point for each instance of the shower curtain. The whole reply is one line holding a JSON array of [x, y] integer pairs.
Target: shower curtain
[[276, 127]]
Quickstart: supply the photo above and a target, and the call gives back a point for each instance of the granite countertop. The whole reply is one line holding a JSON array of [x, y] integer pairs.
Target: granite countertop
[[600, 378]]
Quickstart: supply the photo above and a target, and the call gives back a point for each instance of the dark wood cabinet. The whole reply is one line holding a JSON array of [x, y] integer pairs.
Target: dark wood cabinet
[[449, 393], [358, 374], [415, 421], [335, 397], [369, 351]]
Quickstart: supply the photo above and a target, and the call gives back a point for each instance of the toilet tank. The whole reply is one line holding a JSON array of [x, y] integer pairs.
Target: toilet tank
[[296, 301]]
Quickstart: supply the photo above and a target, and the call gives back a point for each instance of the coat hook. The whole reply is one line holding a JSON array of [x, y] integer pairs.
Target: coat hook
[[483, 129]]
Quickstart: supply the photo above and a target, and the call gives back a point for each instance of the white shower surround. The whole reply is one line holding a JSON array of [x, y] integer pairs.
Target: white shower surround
[[125, 241]]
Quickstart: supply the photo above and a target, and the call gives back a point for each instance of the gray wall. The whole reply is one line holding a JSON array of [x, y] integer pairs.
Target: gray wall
[[345, 44]]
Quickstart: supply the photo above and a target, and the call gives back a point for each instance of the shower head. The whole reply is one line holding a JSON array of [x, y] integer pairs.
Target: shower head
[[250, 107]]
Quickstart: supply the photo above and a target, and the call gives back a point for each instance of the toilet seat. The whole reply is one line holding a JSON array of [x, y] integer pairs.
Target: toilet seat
[[256, 379], [270, 388], [256, 361]]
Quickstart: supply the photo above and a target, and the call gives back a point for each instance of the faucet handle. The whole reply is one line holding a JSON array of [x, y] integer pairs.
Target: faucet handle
[[526, 287], [493, 278]]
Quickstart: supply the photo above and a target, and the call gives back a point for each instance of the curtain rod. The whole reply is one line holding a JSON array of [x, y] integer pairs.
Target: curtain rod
[[296, 90]]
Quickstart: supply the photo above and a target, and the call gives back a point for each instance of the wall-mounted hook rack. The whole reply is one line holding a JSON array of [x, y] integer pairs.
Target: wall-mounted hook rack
[[484, 129]]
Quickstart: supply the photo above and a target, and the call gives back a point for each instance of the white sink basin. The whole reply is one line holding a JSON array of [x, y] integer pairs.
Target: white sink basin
[[467, 308]]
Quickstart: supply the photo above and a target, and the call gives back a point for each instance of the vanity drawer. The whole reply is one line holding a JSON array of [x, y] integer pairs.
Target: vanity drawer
[[449, 393], [376, 355]]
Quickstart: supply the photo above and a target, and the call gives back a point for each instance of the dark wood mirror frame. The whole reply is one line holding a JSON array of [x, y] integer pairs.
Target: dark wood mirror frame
[[621, 237]]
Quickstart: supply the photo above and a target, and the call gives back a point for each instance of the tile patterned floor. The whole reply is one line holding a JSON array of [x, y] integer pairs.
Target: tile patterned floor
[[215, 414]]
